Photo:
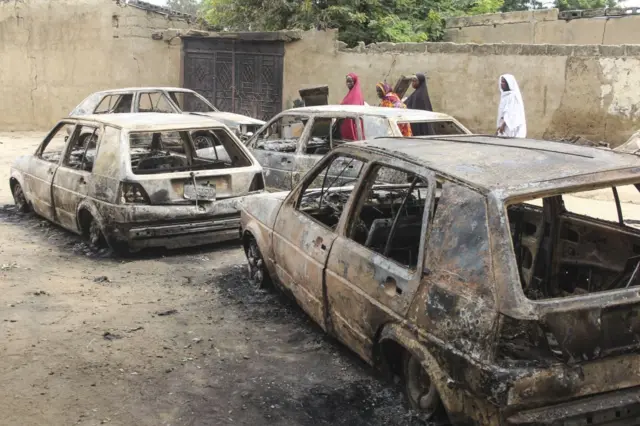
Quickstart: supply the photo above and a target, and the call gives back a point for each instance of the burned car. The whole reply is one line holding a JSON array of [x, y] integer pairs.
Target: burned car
[[485, 280], [294, 140], [168, 100], [139, 180]]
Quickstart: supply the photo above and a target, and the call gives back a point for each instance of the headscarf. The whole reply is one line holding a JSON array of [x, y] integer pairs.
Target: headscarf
[[419, 99], [511, 108], [354, 97], [390, 99], [348, 130]]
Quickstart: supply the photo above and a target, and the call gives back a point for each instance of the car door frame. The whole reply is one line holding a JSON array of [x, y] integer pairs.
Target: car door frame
[[41, 173], [71, 186], [270, 159], [297, 236], [303, 161], [362, 284]]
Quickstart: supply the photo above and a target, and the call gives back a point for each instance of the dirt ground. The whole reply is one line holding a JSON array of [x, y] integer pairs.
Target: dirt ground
[[164, 338]]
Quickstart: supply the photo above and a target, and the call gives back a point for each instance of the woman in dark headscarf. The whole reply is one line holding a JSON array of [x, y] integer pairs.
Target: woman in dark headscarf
[[419, 99]]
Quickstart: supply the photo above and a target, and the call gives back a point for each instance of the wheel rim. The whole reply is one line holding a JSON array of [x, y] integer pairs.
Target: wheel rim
[[95, 234], [255, 264], [18, 196], [420, 389], [201, 142]]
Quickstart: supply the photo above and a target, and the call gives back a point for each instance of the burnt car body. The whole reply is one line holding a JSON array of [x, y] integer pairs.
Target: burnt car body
[[139, 180], [474, 280], [294, 140], [166, 100]]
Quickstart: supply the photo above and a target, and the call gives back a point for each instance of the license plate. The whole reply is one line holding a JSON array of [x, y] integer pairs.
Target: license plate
[[201, 192]]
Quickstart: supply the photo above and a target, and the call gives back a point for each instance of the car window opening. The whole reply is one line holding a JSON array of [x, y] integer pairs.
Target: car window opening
[[325, 197], [578, 243], [325, 136], [53, 148], [190, 102], [389, 216], [282, 135], [179, 151], [434, 128], [82, 154]]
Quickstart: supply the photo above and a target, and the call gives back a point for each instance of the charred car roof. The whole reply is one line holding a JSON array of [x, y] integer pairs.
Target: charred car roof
[[151, 121], [510, 166], [144, 89], [411, 114]]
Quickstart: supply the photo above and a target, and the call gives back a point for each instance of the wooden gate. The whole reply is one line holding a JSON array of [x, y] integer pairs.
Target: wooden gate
[[241, 76]]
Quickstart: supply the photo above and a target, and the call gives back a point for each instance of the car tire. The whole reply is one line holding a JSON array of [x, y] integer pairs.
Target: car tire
[[420, 390], [258, 274], [20, 199], [92, 232]]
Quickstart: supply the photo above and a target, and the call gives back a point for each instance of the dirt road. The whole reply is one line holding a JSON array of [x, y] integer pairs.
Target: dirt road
[[161, 339]]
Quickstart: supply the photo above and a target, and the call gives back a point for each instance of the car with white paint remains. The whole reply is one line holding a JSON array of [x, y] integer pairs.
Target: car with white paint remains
[[295, 139], [168, 100], [482, 281], [139, 180]]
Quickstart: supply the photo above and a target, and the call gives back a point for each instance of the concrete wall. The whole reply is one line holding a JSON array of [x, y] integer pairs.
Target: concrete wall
[[592, 91], [53, 53], [543, 27]]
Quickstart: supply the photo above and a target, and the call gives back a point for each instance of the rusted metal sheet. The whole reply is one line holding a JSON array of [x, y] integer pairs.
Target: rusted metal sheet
[[314, 96]]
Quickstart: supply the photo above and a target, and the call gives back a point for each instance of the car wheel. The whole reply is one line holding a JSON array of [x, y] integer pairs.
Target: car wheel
[[19, 198], [258, 275], [93, 233], [420, 389], [202, 141]]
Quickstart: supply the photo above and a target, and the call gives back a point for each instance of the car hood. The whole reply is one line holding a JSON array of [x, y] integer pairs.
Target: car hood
[[264, 207], [231, 119]]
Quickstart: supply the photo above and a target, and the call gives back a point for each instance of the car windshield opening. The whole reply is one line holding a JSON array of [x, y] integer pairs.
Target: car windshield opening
[[578, 243], [179, 151], [191, 102], [433, 128]]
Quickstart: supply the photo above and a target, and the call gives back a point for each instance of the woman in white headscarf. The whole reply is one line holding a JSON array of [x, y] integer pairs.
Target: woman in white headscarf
[[511, 119]]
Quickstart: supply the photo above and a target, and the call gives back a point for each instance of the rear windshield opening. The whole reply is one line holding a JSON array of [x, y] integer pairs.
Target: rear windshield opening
[[433, 128], [578, 243], [179, 151]]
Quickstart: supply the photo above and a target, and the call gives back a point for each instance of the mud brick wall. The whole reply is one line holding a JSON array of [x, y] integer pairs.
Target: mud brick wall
[[53, 53], [587, 90], [601, 26]]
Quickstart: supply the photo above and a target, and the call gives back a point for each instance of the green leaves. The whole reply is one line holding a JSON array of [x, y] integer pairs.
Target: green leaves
[[584, 4], [369, 21]]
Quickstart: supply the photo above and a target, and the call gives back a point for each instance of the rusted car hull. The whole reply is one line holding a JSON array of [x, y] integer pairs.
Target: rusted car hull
[[175, 235], [621, 408]]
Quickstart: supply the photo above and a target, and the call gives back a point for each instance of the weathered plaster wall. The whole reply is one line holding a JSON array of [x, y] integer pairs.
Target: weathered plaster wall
[[590, 91], [543, 27], [53, 53]]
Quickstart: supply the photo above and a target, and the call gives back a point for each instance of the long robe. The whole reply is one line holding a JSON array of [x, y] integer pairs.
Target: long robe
[[420, 99], [511, 109], [348, 129]]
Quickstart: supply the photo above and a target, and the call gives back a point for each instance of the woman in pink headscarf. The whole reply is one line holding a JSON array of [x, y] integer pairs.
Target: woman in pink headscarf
[[354, 97]]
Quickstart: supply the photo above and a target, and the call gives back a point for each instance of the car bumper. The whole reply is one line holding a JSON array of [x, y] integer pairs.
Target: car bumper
[[616, 408], [177, 234]]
